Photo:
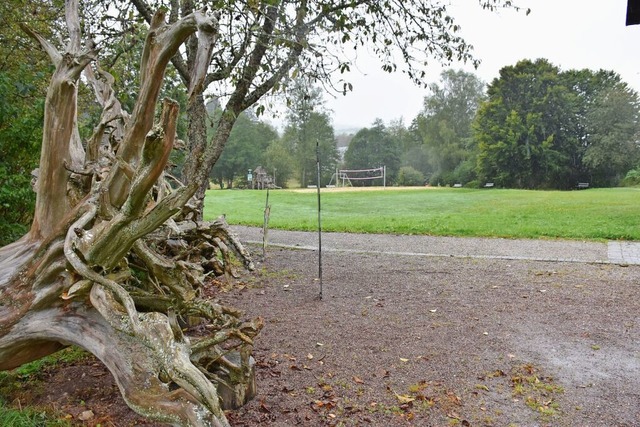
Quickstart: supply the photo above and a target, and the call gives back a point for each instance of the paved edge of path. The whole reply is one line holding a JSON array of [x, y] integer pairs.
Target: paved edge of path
[[613, 252]]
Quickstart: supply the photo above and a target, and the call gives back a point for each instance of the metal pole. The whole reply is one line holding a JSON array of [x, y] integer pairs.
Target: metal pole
[[265, 226], [319, 218], [384, 176]]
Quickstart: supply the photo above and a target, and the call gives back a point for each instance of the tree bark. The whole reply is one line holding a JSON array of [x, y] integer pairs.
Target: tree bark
[[104, 266]]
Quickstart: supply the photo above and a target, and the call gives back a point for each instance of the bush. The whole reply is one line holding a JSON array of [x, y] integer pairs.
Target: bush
[[17, 202], [443, 179], [465, 172], [632, 178], [410, 177]]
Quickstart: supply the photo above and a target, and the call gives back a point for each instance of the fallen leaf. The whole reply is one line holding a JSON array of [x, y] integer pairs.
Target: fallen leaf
[[264, 408], [404, 398], [358, 380], [453, 415]]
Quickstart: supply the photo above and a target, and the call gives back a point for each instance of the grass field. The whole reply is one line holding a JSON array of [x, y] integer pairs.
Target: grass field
[[594, 214]]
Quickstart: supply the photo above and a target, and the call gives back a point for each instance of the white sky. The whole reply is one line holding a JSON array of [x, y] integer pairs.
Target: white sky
[[572, 34]]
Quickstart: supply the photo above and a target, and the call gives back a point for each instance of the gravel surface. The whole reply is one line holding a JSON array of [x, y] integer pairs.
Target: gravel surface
[[430, 331], [419, 331]]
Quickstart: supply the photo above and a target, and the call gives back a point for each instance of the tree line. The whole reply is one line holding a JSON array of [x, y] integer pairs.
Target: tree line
[[533, 127]]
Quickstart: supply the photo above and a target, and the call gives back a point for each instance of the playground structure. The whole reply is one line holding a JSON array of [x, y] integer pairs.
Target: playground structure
[[261, 180], [344, 177]]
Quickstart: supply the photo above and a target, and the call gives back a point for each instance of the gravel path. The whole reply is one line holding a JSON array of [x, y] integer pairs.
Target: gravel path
[[516, 249], [437, 331]]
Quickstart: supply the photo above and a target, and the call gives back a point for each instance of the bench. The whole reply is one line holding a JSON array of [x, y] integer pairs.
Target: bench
[[582, 185], [488, 185], [457, 185]]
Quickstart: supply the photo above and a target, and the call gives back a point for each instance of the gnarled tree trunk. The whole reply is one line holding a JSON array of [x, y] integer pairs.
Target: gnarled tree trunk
[[104, 266]]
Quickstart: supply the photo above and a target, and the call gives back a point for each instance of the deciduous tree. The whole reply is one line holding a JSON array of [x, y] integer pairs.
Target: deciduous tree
[[613, 135], [444, 124], [245, 149], [309, 134], [522, 132], [374, 147]]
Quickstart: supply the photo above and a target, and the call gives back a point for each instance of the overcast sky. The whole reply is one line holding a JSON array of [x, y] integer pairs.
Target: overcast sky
[[572, 34]]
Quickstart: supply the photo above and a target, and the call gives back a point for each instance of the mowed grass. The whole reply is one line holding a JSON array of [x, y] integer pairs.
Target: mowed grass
[[594, 214]]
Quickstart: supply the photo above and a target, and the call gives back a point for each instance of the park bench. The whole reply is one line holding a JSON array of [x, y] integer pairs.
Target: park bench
[[488, 185], [582, 185], [457, 185]]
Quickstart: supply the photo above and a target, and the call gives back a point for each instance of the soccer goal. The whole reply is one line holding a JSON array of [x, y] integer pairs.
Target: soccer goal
[[345, 177]]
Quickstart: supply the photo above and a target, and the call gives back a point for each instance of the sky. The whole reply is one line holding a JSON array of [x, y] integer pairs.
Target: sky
[[571, 34]]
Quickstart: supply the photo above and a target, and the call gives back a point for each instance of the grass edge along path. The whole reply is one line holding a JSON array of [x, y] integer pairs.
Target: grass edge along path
[[594, 214]]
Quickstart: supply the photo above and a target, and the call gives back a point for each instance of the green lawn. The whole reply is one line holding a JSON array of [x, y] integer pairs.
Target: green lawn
[[594, 214]]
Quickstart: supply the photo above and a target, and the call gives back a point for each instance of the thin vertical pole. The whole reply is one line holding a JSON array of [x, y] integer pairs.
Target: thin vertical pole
[[384, 176], [319, 218], [265, 226]]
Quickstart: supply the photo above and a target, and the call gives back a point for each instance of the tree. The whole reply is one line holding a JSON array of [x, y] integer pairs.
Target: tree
[[543, 128], [605, 141], [69, 281], [523, 129], [278, 159], [245, 149], [308, 127], [265, 44], [372, 148], [613, 135], [444, 125], [105, 264]]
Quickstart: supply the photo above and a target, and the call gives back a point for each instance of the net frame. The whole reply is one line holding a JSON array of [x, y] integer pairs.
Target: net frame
[[348, 175]]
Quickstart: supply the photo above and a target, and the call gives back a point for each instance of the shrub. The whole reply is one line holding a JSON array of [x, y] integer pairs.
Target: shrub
[[408, 176], [632, 178]]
